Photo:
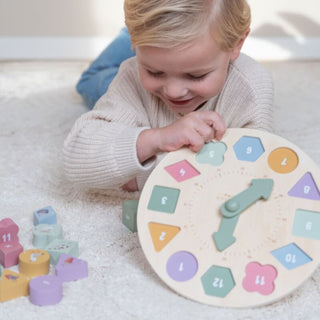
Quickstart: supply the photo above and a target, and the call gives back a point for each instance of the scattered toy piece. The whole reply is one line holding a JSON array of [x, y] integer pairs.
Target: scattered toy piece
[[45, 216], [70, 269], [45, 290], [34, 262], [43, 234], [59, 246], [129, 214]]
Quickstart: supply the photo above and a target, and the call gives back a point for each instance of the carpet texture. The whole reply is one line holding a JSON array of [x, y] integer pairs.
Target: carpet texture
[[38, 106]]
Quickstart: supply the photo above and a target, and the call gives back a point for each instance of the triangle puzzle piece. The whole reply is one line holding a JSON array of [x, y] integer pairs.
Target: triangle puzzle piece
[[305, 188], [162, 234]]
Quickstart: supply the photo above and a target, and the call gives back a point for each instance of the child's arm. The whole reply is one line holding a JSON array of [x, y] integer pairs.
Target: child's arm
[[193, 130]]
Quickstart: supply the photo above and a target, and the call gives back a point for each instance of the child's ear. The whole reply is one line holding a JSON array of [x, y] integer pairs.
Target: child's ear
[[236, 51]]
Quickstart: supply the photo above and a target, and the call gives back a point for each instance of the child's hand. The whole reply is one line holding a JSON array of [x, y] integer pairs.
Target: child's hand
[[193, 130]]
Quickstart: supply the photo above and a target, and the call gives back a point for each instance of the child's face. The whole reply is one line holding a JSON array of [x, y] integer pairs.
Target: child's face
[[184, 78]]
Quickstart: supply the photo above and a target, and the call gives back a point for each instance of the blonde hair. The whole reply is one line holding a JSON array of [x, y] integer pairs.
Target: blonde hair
[[173, 23]]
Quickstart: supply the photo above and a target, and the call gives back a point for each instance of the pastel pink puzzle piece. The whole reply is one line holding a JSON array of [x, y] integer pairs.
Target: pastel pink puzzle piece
[[182, 171], [69, 268], [10, 247], [9, 254], [8, 231], [259, 278]]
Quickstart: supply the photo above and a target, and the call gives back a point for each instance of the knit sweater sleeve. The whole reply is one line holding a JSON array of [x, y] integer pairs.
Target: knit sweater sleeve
[[247, 97], [100, 151]]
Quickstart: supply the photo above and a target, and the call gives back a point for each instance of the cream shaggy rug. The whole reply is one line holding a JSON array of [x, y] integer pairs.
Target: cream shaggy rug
[[38, 106]]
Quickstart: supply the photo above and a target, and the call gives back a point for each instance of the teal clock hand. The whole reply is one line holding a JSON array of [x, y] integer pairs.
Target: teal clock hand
[[231, 209]]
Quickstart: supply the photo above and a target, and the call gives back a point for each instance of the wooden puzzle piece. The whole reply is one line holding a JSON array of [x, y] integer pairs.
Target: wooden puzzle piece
[[182, 266], [283, 160], [129, 214], [69, 268], [305, 188], [182, 171], [164, 199], [46, 290], [45, 216], [13, 285], [9, 254], [162, 234], [306, 224], [59, 246], [291, 256], [248, 149], [212, 153], [43, 234], [8, 232], [34, 262], [218, 281], [259, 278]]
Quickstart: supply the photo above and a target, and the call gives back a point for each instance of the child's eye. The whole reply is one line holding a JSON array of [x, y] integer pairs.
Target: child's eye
[[155, 74], [197, 78]]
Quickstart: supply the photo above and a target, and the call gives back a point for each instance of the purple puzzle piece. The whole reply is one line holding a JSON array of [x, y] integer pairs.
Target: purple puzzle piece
[[45, 290], [305, 188], [69, 268]]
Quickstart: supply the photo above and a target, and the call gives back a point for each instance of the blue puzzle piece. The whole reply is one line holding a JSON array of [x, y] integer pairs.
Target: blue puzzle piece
[[44, 216], [291, 256]]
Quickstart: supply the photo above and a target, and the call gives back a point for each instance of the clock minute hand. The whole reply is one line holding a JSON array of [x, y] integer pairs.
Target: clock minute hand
[[231, 209]]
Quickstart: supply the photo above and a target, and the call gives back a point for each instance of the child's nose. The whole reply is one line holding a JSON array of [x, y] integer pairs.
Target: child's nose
[[175, 90]]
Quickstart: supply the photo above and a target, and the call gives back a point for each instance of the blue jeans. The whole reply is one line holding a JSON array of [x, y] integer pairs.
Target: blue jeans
[[95, 81]]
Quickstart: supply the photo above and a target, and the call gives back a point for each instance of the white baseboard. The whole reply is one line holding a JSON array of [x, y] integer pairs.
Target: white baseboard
[[267, 49]]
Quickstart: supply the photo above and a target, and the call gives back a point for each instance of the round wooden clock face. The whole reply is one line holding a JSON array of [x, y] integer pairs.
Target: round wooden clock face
[[235, 225]]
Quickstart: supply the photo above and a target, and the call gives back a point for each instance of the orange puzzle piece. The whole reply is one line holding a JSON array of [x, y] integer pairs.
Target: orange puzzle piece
[[13, 285]]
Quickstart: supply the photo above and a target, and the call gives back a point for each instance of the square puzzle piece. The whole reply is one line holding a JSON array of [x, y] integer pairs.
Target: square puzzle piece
[[45, 216], [59, 246]]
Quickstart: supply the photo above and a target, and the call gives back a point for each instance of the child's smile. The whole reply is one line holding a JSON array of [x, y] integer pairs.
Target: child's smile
[[184, 78]]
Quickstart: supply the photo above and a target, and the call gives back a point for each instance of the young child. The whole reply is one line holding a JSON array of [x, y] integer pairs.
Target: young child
[[186, 85]]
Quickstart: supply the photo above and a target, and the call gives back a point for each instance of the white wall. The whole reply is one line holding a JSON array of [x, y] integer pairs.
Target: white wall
[[68, 29]]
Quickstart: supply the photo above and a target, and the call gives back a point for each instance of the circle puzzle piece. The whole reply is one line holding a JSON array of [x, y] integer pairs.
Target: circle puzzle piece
[[235, 225]]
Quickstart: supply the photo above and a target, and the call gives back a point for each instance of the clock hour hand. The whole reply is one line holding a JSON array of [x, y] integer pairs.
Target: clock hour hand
[[231, 209]]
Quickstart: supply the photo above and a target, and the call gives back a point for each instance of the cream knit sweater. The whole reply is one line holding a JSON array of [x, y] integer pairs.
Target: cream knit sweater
[[100, 151]]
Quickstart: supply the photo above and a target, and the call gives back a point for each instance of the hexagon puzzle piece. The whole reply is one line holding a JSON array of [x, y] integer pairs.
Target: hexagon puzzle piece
[[70, 269], [13, 285], [248, 149], [45, 216], [218, 281]]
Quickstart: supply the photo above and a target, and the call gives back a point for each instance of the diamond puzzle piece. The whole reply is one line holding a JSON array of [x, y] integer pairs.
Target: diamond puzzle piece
[[291, 256], [182, 171]]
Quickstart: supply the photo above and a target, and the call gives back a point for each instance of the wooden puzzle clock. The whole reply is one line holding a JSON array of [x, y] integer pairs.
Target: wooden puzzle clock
[[235, 225]]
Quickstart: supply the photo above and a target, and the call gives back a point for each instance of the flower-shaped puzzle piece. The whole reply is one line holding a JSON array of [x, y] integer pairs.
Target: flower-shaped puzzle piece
[[212, 153], [259, 278]]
